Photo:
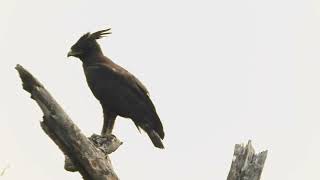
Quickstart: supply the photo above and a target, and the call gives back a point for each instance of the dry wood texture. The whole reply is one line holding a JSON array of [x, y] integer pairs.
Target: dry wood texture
[[89, 156], [246, 164], [91, 161]]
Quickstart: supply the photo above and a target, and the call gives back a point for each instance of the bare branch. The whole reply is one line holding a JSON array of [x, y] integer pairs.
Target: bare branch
[[90, 156], [90, 161]]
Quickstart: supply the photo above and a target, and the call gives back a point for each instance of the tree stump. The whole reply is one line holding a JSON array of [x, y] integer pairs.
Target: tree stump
[[246, 164]]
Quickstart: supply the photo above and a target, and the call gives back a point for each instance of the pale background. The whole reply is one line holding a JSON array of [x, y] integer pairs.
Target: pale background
[[219, 73]]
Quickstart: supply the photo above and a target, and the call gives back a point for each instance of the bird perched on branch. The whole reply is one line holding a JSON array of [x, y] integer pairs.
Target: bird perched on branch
[[119, 92]]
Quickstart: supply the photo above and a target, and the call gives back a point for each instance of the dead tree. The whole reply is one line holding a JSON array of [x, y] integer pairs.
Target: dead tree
[[246, 164], [89, 156]]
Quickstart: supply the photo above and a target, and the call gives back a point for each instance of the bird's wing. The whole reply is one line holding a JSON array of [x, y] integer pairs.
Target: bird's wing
[[123, 86], [139, 84], [113, 77], [131, 79], [116, 72]]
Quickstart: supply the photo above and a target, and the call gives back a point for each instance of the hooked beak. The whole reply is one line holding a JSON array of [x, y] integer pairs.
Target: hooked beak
[[72, 53]]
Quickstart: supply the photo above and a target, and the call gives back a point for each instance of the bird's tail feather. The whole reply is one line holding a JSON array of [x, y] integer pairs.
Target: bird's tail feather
[[155, 138]]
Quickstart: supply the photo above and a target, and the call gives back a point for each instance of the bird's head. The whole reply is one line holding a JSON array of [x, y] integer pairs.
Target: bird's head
[[87, 44]]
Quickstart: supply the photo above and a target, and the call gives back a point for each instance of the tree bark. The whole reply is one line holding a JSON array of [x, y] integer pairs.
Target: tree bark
[[87, 157], [246, 165]]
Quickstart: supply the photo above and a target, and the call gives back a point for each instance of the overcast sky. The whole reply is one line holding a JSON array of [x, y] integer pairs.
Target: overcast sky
[[219, 73]]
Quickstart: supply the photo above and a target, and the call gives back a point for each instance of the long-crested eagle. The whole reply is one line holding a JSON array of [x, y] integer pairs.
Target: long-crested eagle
[[119, 92]]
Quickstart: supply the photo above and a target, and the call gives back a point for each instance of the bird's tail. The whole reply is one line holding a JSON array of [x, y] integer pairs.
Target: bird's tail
[[155, 138]]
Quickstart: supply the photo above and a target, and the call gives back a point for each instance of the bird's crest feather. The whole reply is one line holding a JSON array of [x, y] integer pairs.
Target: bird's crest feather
[[100, 34], [94, 36]]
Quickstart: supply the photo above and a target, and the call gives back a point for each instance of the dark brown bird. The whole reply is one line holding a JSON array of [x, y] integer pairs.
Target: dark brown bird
[[119, 92]]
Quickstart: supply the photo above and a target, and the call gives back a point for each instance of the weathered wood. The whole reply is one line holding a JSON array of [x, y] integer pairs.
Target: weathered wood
[[107, 144], [90, 161], [89, 156], [246, 165]]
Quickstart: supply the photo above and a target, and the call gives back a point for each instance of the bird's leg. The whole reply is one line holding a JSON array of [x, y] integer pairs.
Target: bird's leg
[[108, 122]]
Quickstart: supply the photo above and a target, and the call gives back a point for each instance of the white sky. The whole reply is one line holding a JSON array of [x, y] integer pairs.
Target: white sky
[[219, 73]]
